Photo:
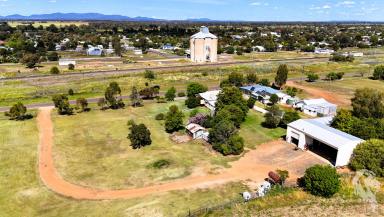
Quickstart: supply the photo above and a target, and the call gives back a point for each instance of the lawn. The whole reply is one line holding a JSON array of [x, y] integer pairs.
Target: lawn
[[86, 152]]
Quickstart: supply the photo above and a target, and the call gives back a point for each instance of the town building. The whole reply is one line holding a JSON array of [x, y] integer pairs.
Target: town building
[[95, 51], [264, 93], [316, 107], [203, 46], [317, 136], [66, 62], [209, 99]]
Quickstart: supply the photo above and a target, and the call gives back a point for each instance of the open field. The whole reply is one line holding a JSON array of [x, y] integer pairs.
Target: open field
[[84, 155], [275, 55], [46, 23]]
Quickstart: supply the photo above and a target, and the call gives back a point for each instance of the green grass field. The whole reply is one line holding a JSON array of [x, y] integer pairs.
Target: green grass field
[[106, 150], [85, 152]]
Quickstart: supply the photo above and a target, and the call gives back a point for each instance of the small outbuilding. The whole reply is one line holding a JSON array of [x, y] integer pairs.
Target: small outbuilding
[[316, 107], [317, 136], [197, 132]]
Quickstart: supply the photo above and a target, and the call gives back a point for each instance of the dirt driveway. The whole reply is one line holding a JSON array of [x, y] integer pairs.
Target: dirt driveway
[[254, 165]]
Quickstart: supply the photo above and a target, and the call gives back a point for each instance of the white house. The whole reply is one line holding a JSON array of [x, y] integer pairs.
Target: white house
[[316, 107], [259, 49], [138, 52], [315, 134], [324, 51], [209, 98], [264, 93], [197, 132]]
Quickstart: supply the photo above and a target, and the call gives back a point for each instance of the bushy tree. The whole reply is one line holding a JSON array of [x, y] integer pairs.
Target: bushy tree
[[136, 101], [150, 75], [368, 103], [335, 76], [281, 76], [289, 117], [18, 112], [173, 119], [230, 112], [71, 66], [369, 155], [193, 90], [273, 117], [30, 60], [284, 175], [378, 74], [251, 102], [140, 135], [54, 70], [274, 99], [82, 103], [236, 79], [53, 56], [321, 181], [62, 104], [292, 91], [112, 94], [264, 82], [170, 95], [149, 92], [229, 96]]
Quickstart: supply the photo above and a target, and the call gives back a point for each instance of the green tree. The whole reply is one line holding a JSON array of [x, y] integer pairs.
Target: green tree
[[229, 96], [236, 79], [136, 101], [173, 119], [62, 104], [231, 112], [170, 95], [221, 132], [273, 117], [289, 117], [368, 103], [150, 75], [378, 74], [117, 45], [274, 99], [30, 60], [193, 90], [292, 91], [53, 56], [112, 94], [139, 135], [369, 155], [18, 112], [264, 82], [321, 181], [281, 76], [284, 175], [251, 102]]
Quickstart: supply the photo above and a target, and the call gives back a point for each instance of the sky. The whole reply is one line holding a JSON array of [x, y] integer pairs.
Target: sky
[[246, 10]]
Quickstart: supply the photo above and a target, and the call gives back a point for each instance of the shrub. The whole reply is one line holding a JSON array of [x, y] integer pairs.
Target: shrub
[[199, 119], [71, 92], [251, 102], [54, 70], [204, 74], [53, 56], [18, 112], [274, 99], [192, 102], [312, 77], [369, 155], [181, 94], [71, 66], [264, 82], [140, 135], [193, 113], [173, 119], [289, 117], [292, 91], [273, 117], [335, 76], [150, 75], [161, 164], [170, 95], [378, 74], [252, 78], [160, 117], [321, 181]]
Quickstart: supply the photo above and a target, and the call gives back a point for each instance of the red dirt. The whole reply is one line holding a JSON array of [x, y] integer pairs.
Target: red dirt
[[319, 93], [254, 166]]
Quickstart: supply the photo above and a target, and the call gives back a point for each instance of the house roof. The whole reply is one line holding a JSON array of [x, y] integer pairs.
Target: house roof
[[194, 128], [210, 95], [204, 33], [316, 103], [260, 88], [318, 129]]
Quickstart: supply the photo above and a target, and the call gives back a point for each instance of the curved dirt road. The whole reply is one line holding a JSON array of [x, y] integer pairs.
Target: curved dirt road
[[251, 166]]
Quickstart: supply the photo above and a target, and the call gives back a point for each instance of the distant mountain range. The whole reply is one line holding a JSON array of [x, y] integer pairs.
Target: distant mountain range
[[86, 17]]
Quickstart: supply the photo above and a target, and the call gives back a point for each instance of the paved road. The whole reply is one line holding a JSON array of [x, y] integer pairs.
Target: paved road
[[162, 68]]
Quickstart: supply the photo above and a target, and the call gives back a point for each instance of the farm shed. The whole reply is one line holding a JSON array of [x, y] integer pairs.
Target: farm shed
[[197, 132], [315, 135], [317, 107]]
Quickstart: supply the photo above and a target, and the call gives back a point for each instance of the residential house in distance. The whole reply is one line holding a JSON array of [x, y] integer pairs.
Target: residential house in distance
[[167, 47], [259, 49], [197, 132], [66, 62], [316, 107], [95, 51], [317, 136], [263, 93], [203, 46], [209, 99], [324, 51]]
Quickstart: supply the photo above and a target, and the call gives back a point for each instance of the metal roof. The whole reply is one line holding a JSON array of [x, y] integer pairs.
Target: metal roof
[[204, 33], [260, 88], [317, 129]]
